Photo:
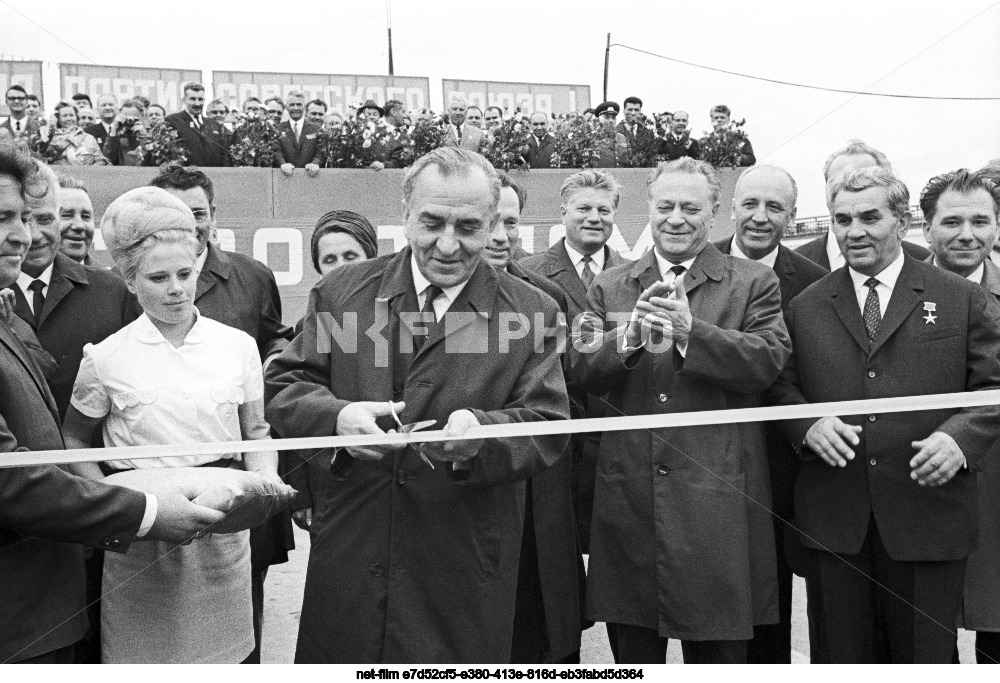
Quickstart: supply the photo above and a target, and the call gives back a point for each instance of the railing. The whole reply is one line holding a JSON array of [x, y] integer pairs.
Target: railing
[[819, 225]]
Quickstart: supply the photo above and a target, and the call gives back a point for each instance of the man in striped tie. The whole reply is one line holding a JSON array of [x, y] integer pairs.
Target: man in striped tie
[[887, 501]]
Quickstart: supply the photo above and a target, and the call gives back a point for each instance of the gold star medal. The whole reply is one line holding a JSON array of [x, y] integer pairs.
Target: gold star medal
[[930, 318]]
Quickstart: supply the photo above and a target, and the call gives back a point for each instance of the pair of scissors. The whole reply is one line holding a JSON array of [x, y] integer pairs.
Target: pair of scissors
[[412, 427]]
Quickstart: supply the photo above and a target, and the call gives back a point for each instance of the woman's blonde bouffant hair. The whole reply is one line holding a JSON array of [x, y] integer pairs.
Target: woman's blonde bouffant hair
[[140, 218]]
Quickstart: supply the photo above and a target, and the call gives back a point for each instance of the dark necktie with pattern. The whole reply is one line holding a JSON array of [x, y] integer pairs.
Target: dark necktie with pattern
[[37, 299], [587, 275], [432, 292], [872, 312]]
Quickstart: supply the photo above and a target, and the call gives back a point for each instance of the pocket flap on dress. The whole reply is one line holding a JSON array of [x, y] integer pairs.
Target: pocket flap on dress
[[130, 399], [227, 394]]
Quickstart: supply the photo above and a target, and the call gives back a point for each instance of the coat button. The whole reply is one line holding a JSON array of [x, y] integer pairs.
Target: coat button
[[401, 477], [664, 470], [662, 398], [376, 569], [113, 543], [871, 374], [872, 462], [871, 418]]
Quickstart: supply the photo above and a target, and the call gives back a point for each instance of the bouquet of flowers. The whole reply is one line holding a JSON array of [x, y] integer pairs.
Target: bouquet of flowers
[[255, 142], [643, 148], [160, 145], [579, 142], [426, 136], [356, 144], [506, 145], [38, 144], [722, 148]]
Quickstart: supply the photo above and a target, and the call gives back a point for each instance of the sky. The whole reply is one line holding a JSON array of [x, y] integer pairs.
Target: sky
[[920, 47]]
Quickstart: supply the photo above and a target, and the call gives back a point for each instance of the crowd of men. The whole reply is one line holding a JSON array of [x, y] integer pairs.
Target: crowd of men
[[472, 550], [207, 130]]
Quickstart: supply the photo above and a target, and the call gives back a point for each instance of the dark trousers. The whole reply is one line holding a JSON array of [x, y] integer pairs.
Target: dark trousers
[[583, 472], [871, 601], [63, 655], [772, 643], [638, 645]]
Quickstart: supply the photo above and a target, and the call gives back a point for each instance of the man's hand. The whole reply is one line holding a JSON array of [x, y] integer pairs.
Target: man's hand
[[459, 422], [303, 518], [645, 316], [938, 459], [376, 166], [676, 309], [6, 303], [287, 168], [178, 520], [832, 439], [359, 418], [312, 170]]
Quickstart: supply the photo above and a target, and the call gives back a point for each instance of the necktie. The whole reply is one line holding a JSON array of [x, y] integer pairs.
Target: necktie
[[432, 292], [588, 274], [298, 130], [458, 133], [678, 272], [18, 126], [37, 299], [873, 312]]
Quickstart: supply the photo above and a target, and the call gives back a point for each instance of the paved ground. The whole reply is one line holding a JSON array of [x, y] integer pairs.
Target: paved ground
[[283, 602]]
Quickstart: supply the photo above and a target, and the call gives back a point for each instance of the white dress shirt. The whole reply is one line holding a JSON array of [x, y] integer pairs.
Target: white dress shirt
[[444, 300], [977, 276], [577, 258], [24, 280], [886, 283], [833, 252], [767, 259]]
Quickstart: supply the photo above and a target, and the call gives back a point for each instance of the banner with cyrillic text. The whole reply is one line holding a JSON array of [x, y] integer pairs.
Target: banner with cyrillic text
[[528, 97], [339, 91], [164, 87]]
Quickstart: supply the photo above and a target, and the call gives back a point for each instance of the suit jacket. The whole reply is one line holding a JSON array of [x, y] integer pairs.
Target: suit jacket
[[679, 543], [815, 251], [44, 513], [642, 137], [299, 153], [395, 149], [673, 149], [241, 292], [833, 361], [540, 155], [472, 138], [410, 564], [100, 134], [30, 126], [83, 305], [205, 148]]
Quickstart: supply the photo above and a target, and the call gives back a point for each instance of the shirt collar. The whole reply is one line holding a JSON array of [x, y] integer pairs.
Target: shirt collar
[[420, 283], [887, 277], [148, 333], [23, 279], [597, 257], [977, 276], [666, 265], [767, 259], [833, 253]]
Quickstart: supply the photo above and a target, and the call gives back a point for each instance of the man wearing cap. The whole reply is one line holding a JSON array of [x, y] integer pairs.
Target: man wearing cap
[[615, 149], [460, 134], [298, 146], [370, 111], [678, 142]]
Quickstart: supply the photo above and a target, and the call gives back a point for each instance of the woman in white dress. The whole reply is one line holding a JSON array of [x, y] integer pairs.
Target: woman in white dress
[[171, 377]]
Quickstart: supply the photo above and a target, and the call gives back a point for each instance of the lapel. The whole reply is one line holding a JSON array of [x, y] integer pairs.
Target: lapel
[[845, 303], [559, 268], [21, 307], [646, 270], [785, 270], [217, 267], [10, 340], [710, 264], [66, 274], [991, 279], [905, 296]]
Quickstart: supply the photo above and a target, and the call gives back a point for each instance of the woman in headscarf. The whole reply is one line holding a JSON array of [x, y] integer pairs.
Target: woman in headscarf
[[342, 237], [171, 377]]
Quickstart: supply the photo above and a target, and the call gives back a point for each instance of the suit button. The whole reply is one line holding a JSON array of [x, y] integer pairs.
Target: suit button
[[113, 543], [871, 418], [871, 374], [662, 398], [376, 569], [664, 470], [401, 477], [872, 462]]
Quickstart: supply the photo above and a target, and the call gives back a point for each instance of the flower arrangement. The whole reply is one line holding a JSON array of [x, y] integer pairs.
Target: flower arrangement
[[254, 142], [506, 145], [356, 144], [39, 144], [159, 144], [722, 148], [579, 142], [426, 136]]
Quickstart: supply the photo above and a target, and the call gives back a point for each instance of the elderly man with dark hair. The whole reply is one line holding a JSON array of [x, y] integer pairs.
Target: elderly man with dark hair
[[886, 503], [961, 210], [205, 140], [682, 544], [856, 154], [415, 548]]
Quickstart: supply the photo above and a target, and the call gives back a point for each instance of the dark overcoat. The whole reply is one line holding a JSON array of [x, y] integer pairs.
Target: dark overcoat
[[682, 540], [410, 564]]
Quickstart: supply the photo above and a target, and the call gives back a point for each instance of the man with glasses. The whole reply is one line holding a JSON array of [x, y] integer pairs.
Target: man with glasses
[[18, 124]]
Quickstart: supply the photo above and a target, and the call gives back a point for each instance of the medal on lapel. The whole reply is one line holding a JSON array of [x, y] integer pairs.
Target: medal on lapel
[[930, 318]]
